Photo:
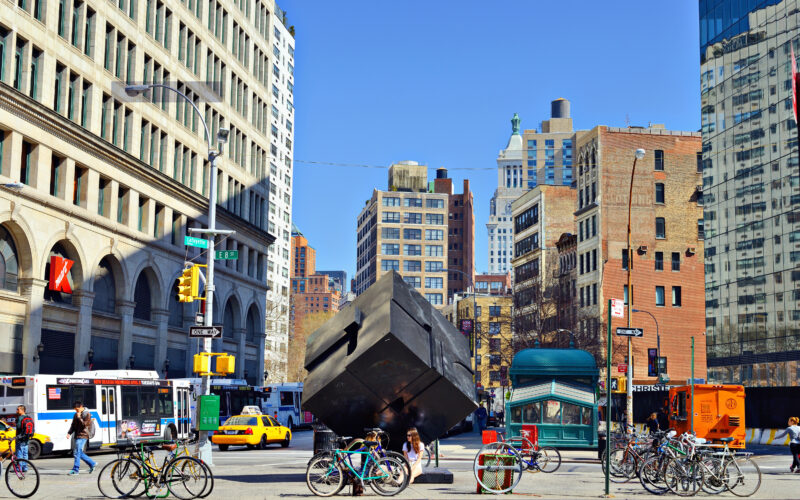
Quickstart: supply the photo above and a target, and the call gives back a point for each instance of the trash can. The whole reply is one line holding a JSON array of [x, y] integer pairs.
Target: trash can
[[324, 439]]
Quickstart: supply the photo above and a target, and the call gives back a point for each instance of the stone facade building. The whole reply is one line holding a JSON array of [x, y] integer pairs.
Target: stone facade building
[[112, 183]]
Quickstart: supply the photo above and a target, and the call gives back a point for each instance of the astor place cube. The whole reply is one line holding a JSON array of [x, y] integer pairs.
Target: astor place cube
[[389, 360]]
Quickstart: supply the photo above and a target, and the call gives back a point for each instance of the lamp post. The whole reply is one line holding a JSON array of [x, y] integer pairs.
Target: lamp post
[[639, 154], [571, 336], [658, 340], [204, 445]]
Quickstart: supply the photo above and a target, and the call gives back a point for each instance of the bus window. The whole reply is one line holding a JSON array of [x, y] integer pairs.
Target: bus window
[[58, 397], [14, 392], [111, 402], [85, 394], [286, 398], [130, 403], [164, 403]]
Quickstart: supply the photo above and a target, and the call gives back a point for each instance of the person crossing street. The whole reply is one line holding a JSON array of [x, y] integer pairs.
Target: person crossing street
[[25, 430], [82, 428]]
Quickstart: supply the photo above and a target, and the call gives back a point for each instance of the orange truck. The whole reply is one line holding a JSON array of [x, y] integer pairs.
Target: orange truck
[[718, 412]]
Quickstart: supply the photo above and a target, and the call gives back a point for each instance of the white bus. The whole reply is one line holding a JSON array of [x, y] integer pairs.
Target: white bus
[[124, 404], [282, 402], [234, 394]]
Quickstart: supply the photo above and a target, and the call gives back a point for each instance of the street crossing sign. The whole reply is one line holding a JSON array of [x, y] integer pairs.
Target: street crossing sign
[[617, 308], [191, 241], [630, 332], [204, 332], [226, 254]]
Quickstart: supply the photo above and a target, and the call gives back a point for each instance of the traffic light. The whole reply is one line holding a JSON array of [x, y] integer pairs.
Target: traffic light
[[618, 385], [189, 284]]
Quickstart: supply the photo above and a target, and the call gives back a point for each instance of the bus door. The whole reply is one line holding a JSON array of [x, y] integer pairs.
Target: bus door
[[183, 412], [298, 414], [108, 413]]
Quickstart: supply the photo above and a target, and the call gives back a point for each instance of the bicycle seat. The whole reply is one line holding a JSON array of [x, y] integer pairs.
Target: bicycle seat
[[726, 440], [169, 446]]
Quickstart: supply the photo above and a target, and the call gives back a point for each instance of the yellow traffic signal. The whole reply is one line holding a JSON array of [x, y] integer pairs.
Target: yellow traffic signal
[[189, 284]]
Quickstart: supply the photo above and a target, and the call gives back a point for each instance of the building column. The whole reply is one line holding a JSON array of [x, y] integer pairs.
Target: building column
[[239, 334], [32, 289], [161, 318], [83, 332], [125, 311]]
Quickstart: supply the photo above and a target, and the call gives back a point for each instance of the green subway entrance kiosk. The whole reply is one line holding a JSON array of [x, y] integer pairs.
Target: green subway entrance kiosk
[[554, 389]]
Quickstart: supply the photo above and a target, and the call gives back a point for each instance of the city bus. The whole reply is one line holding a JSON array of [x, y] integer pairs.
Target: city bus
[[282, 402], [125, 405]]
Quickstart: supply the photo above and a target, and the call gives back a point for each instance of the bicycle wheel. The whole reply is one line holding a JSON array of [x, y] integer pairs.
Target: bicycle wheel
[[549, 459], [683, 477], [498, 467], [323, 476], [390, 476], [651, 475], [22, 478], [743, 476], [714, 481], [120, 478], [623, 465], [186, 477], [210, 484], [426, 461]]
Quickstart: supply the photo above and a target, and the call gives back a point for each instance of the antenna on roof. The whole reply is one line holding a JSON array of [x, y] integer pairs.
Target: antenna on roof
[[627, 120]]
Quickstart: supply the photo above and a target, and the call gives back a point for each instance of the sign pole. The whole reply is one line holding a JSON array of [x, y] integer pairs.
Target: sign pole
[[691, 417], [608, 399]]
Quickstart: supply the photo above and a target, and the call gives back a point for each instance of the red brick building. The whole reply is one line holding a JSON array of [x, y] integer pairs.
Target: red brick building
[[493, 284], [311, 292], [460, 233], [667, 245]]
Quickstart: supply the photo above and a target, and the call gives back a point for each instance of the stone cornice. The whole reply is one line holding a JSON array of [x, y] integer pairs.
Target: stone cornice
[[53, 123]]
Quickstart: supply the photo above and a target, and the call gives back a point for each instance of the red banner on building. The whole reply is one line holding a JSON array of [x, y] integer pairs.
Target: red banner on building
[[59, 274]]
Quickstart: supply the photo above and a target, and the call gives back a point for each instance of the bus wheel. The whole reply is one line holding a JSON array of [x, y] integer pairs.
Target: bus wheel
[[34, 449]]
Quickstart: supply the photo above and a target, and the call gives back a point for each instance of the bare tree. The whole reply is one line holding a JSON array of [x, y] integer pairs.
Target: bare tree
[[297, 344]]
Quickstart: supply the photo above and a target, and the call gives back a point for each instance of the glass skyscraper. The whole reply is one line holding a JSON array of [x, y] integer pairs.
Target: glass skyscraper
[[751, 191]]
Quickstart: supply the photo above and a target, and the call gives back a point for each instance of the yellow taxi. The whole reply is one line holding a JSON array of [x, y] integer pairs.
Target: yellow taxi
[[38, 445], [251, 430]]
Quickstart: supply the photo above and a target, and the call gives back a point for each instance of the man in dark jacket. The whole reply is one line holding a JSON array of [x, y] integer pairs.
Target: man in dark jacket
[[81, 424], [24, 433]]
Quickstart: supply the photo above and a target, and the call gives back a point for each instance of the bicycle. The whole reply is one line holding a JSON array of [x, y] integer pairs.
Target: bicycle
[[185, 477], [626, 461], [183, 451], [22, 477], [510, 456], [326, 472]]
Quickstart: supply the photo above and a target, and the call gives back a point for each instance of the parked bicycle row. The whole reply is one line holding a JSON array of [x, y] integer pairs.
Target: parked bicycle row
[[683, 465]]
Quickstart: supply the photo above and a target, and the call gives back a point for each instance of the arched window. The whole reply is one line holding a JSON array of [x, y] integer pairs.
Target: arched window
[[9, 264], [252, 325], [143, 298], [105, 289], [227, 320]]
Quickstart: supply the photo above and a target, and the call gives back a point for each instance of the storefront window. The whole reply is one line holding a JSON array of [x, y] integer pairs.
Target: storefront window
[[516, 415], [571, 414], [532, 412]]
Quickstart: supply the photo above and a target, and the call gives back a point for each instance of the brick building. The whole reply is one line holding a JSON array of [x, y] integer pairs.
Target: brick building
[[540, 217], [461, 233], [303, 260], [493, 284], [667, 244], [492, 346], [312, 292]]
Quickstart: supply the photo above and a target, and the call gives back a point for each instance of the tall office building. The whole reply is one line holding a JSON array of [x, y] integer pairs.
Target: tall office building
[[529, 159], [404, 229], [460, 234], [750, 190], [304, 260], [111, 183], [338, 280]]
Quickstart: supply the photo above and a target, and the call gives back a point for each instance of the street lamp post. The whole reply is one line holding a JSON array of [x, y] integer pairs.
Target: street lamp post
[[658, 340], [629, 386], [222, 137], [571, 336]]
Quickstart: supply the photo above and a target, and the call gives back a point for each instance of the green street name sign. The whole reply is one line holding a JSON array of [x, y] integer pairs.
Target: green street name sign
[[191, 241], [226, 254]]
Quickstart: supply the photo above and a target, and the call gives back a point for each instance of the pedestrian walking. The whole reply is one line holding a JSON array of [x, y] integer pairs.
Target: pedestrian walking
[[652, 423], [25, 430], [794, 442], [414, 450], [481, 416], [83, 428]]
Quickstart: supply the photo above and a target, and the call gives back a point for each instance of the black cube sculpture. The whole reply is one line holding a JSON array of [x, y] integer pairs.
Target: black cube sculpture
[[389, 360]]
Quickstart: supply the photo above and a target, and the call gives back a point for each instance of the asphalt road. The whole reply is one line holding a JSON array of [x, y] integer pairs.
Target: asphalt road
[[280, 473]]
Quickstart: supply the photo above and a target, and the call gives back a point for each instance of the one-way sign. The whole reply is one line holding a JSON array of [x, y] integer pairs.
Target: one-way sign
[[205, 331], [630, 332]]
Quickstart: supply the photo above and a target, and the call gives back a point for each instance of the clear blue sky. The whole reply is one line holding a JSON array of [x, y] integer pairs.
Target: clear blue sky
[[437, 81]]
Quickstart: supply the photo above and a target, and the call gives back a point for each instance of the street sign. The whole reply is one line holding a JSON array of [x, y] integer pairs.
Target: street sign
[[630, 332], [622, 368], [617, 309], [226, 254], [191, 241], [204, 332]]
